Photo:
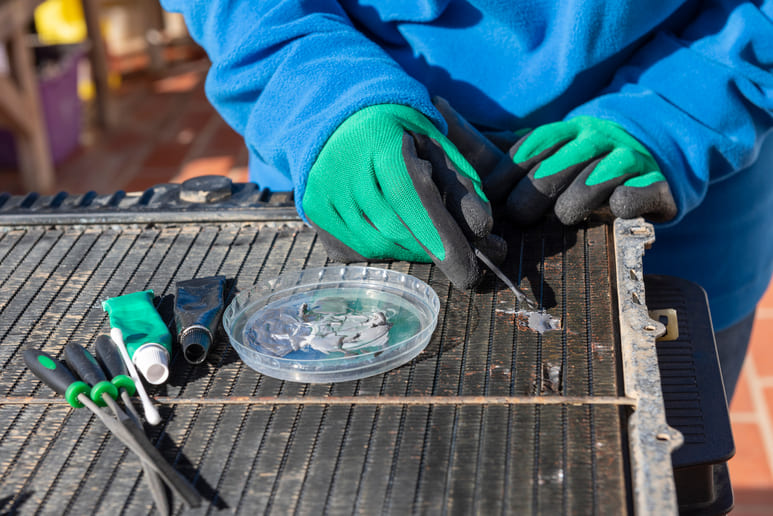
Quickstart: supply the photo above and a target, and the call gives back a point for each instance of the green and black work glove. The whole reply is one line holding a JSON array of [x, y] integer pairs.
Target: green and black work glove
[[389, 185], [576, 166]]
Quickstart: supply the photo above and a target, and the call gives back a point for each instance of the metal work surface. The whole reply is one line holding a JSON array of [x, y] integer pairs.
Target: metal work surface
[[490, 418]]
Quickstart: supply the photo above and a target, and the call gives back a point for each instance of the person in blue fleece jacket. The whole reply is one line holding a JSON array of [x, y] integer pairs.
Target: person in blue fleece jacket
[[660, 108]]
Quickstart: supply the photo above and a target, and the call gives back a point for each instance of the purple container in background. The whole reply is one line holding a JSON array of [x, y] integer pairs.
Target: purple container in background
[[57, 68]]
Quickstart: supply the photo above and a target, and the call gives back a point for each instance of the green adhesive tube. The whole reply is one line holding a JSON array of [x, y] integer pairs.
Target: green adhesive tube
[[147, 338]]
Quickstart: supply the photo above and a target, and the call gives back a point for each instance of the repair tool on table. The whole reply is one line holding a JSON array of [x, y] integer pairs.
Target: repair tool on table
[[532, 316], [520, 295], [109, 358], [151, 412], [198, 308], [60, 379], [91, 372], [145, 335]]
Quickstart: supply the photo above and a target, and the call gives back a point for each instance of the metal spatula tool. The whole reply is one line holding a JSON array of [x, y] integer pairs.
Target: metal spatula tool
[[523, 299], [530, 314]]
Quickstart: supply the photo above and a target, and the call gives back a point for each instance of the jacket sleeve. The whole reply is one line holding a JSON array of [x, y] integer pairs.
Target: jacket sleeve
[[286, 73], [700, 100]]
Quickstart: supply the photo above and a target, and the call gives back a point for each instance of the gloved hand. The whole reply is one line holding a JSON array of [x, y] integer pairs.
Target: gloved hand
[[388, 184], [576, 166]]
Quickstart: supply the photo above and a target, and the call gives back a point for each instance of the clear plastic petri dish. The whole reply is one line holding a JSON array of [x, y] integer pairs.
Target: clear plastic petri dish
[[332, 324]]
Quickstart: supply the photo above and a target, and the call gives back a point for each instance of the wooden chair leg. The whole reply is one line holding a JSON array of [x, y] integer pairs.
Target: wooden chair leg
[[99, 65], [34, 154]]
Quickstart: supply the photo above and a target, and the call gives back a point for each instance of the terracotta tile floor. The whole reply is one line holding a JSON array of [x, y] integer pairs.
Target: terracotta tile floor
[[168, 132], [751, 414]]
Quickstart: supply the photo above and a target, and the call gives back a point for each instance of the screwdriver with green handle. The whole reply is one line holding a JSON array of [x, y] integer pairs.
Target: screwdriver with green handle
[[58, 377], [54, 374], [109, 358], [86, 367], [104, 392]]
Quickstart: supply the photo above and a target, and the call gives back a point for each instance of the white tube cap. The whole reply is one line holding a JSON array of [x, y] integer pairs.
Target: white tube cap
[[152, 360]]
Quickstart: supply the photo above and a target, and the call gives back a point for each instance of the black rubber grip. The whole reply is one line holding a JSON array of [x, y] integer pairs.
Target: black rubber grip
[[109, 357], [50, 370], [83, 364]]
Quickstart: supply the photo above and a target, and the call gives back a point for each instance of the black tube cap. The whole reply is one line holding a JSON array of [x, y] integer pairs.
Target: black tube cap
[[195, 342]]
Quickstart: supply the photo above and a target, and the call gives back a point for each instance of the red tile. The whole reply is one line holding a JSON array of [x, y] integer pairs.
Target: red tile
[[226, 140], [768, 397], [178, 83], [761, 346], [239, 174], [749, 468], [149, 111], [216, 165], [742, 401], [242, 158], [192, 122], [767, 299], [130, 63], [752, 502], [166, 154], [116, 141], [95, 170], [148, 177], [160, 124], [10, 182]]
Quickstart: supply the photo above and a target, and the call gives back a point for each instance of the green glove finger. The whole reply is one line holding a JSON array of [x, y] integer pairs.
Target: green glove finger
[[576, 175], [337, 251], [573, 155], [363, 229], [386, 200], [369, 223], [552, 172], [361, 222], [585, 194], [372, 193], [401, 215], [622, 162], [544, 138], [647, 179], [414, 122], [340, 187]]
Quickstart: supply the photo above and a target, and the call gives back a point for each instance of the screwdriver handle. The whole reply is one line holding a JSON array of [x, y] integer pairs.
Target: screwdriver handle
[[55, 374], [83, 364], [110, 359], [109, 356], [151, 413], [86, 367]]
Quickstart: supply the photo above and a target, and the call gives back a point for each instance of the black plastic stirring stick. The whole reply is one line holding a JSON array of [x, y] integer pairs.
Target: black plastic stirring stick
[[59, 378], [88, 369]]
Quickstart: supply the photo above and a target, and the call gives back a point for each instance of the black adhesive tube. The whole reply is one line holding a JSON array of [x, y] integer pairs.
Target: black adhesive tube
[[198, 308]]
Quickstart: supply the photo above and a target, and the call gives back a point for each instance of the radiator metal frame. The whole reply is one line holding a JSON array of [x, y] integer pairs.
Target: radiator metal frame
[[650, 439]]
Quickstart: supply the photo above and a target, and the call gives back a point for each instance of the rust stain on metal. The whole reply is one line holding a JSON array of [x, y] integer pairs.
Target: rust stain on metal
[[361, 400]]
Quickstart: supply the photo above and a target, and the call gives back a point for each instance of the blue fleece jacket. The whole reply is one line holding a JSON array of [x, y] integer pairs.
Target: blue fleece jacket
[[693, 81]]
